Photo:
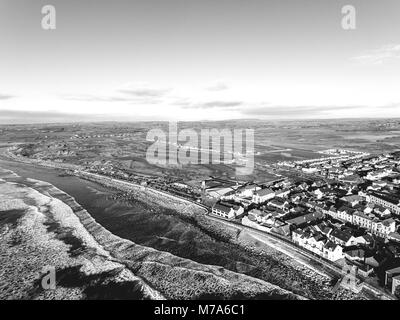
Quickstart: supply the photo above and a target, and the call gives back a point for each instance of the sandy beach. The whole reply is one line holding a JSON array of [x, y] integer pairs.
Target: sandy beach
[[50, 232]]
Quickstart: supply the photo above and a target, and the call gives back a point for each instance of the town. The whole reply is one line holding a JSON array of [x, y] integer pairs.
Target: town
[[345, 209]]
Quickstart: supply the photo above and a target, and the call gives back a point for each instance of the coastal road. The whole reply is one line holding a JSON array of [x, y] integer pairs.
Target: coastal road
[[307, 259], [303, 257]]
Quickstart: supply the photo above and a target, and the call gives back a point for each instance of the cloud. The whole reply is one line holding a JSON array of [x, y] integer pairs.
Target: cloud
[[210, 104], [26, 116], [134, 93], [144, 90], [218, 85], [91, 98], [6, 97], [294, 111], [379, 56]]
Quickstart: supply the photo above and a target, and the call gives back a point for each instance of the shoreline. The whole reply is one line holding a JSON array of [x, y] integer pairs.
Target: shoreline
[[139, 192], [174, 277]]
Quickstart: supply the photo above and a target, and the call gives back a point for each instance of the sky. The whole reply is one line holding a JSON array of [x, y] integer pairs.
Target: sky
[[198, 60]]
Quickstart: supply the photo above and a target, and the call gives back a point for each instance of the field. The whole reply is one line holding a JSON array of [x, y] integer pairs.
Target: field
[[123, 145]]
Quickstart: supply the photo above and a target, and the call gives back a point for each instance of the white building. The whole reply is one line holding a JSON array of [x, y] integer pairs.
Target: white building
[[263, 195]]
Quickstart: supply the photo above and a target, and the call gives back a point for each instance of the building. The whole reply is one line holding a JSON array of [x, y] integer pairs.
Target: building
[[388, 201], [383, 228], [332, 251], [394, 236], [345, 214], [263, 195], [227, 211], [355, 254], [353, 199], [342, 238], [283, 193], [258, 216], [365, 239], [278, 204], [382, 211], [395, 283], [363, 220], [389, 277], [310, 170], [305, 219], [317, 243], [248, 191]]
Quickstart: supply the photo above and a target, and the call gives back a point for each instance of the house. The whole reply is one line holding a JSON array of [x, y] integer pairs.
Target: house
[[364, 270], [324, 228], [355, 254], [376, 260], [352, 179], [331, 212], [263, 195], [345, 213], [297, 196], [364, 240], [227, 211], [298, 236], [259, 216], [394, 236], [319, 194], [298, 210], [339, 192], [389, 201], [369, 208], [305, 219], [302, 185], [389, 274], [282, 193], [309, 239], [332, 251], [316, 242], [383, 228], [394, 249], [342, 238], [395, 283], [382, 211], [363, 220], [248, 191], [278, 204], [378, 174], [310, 170], [353, 200], [281, 228], [379, 184], [217, 193]]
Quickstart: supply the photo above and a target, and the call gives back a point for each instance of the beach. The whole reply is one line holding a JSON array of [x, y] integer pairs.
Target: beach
[[62, 234]]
